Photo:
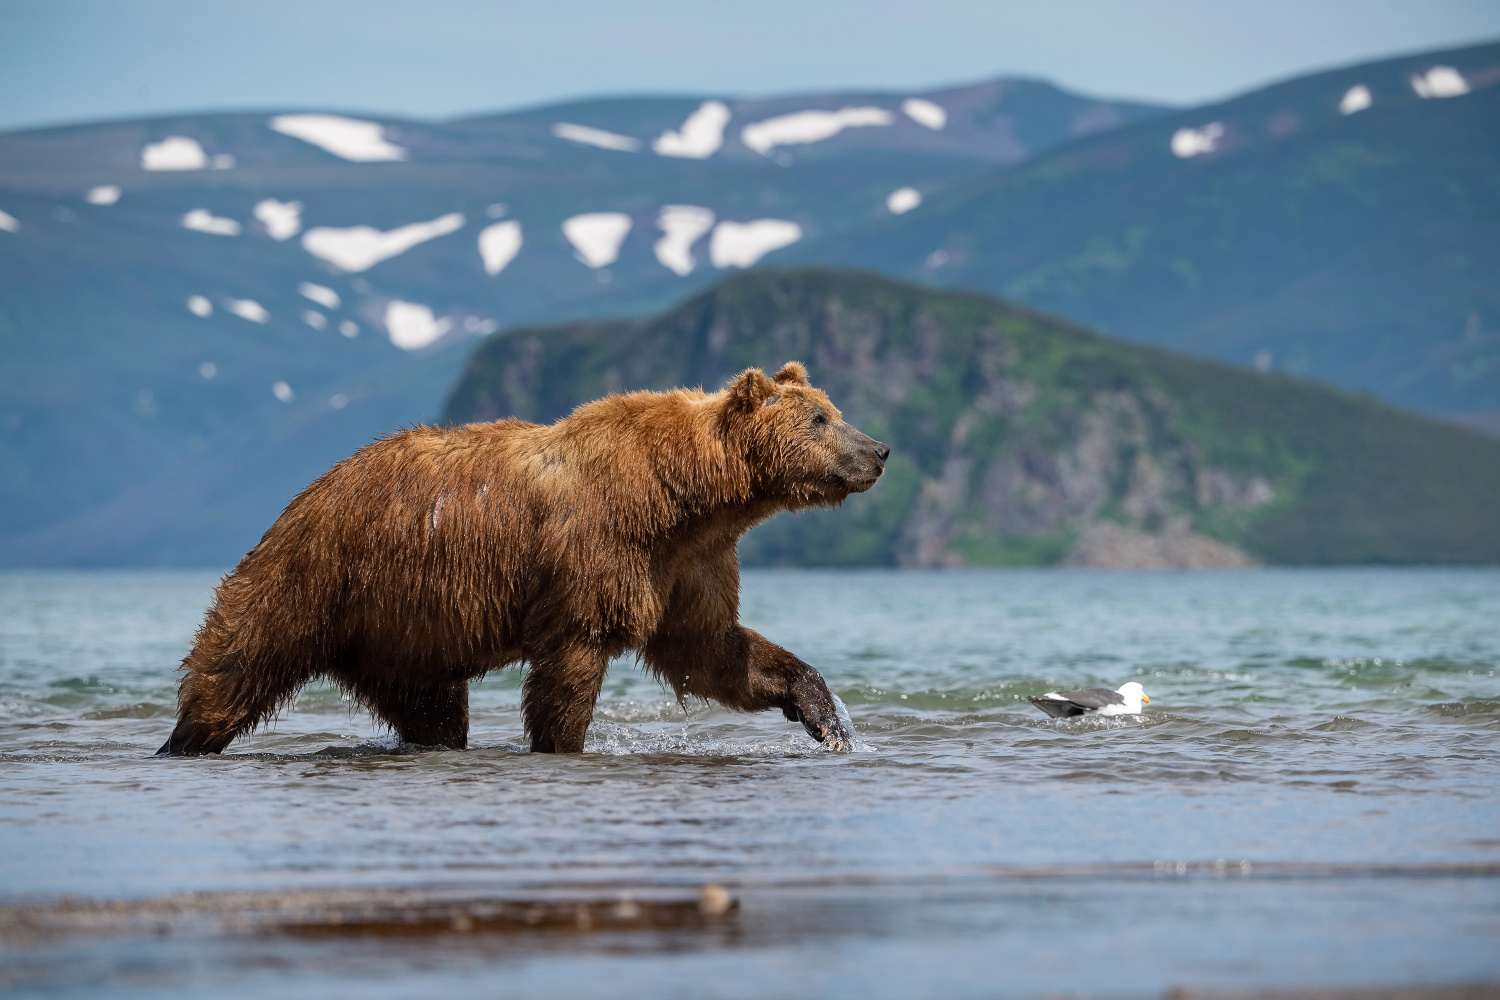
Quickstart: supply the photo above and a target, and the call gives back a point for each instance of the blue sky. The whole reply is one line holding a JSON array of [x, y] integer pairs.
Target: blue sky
[[76, 60]]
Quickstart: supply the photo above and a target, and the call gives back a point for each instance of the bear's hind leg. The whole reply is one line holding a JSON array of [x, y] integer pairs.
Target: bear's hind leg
[[424, 715], [221, 701], [558, 698]]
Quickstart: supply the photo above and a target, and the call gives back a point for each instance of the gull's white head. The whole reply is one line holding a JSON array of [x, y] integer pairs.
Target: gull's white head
[[1134, 696]]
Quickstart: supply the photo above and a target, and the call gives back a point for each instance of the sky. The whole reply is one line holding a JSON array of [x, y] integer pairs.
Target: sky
[[82, 60]]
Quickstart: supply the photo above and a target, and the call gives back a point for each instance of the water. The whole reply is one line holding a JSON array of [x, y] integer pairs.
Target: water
[[1310, 800]]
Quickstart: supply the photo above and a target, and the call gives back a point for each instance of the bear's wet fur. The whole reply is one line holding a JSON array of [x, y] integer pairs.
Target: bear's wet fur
[[434, 556]]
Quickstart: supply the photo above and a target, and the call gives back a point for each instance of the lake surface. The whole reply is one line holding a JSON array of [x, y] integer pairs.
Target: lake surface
[[1311, 799]]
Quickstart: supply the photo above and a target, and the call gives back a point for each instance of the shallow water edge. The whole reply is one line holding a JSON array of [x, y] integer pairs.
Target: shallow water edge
[[1309, 801]]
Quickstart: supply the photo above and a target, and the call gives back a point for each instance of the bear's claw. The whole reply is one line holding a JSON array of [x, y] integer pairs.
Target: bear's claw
[[830, 733], [836, 740]]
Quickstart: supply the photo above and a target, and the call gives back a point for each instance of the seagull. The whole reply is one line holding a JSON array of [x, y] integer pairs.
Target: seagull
[[1093, 701]]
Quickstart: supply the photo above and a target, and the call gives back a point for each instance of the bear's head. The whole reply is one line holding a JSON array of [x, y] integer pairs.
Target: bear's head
[[796, 441]]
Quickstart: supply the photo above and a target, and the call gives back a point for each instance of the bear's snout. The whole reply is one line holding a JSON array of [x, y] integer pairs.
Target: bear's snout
[[864, 460]]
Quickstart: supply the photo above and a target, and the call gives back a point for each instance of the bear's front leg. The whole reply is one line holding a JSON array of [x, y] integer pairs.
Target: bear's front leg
[[742, 669], [558, 698]]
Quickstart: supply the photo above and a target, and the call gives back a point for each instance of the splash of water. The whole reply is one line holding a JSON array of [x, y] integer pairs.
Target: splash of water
[[857, 743]]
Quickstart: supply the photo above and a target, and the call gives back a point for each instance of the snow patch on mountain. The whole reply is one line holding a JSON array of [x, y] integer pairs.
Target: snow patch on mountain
[[199, 306], [595, 137], [175, 152], [681, 226], [104, 194], [315, 319], [203, 221], [701, 134], [925, 112], [321, 294], [903, 200], [596, 236], [1439, 81], [499, 244], [741, 244], [359, 248], [1355, 99], [282, 219], [809, 126], [1190, 142], [412, 326], [350, 138], [248, 309], [9, 222], [283, 392]]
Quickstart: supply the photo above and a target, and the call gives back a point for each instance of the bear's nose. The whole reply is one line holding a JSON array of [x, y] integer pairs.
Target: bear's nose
[[882, 451]]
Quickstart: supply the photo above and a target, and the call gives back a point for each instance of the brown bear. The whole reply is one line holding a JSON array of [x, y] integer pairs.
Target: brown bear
[[436, 555]]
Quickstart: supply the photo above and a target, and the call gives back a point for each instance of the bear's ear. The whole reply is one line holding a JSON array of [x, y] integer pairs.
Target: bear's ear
[[792, 373], [748, 390]]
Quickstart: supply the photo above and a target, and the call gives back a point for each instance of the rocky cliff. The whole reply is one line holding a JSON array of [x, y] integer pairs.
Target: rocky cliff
[[1019, 439]]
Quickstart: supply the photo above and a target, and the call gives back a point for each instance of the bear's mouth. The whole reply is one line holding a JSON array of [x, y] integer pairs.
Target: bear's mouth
[[858, 482]]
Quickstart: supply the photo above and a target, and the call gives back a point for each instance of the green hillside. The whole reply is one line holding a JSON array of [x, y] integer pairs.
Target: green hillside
[[1360, 248], [1021, 439]]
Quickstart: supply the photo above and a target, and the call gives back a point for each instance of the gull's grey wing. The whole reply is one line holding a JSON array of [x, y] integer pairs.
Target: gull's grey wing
[[1056, 709], [1095, 698]]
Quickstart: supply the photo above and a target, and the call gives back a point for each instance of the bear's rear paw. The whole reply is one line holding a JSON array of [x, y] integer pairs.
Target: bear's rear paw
[[188, 740]]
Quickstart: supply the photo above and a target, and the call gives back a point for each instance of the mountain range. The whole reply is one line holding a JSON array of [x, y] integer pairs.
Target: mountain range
[[200, 313], [1343, 226]]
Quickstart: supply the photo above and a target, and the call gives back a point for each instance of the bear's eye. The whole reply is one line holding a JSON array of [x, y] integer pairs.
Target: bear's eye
[[819, 419]]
